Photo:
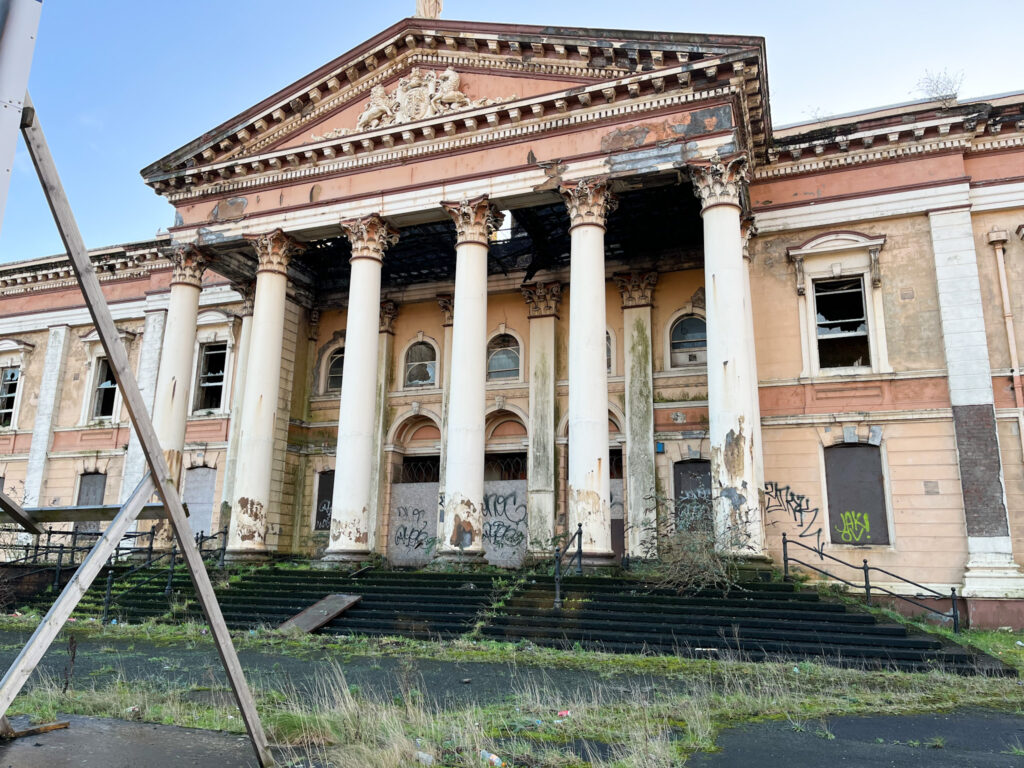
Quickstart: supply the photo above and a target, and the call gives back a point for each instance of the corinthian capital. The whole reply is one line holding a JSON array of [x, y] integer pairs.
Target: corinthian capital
[[189, 262], [542, 299], [370, 236], [589, 202], [274, 250], [475, 220], [636, 288], [719, 182]]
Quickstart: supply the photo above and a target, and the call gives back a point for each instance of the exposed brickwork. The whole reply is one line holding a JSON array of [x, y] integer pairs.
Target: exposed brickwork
[[978, 448]]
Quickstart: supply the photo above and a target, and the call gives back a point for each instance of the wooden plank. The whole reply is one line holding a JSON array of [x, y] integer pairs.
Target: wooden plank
[[87, 514], [14, 511], [35, 730], [321, 612], [132, 397], [71, 595]]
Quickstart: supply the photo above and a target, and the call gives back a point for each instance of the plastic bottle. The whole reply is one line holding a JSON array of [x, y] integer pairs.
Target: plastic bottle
[[491, 758]]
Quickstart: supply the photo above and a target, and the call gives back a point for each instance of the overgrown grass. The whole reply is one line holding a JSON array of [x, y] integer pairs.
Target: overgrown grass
[[624, 728]]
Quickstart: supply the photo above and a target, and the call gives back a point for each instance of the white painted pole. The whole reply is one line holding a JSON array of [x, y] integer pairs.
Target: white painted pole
[[588, 202], [732, 377], [462, 509], [19, 22], [353, 469], [247, 533]]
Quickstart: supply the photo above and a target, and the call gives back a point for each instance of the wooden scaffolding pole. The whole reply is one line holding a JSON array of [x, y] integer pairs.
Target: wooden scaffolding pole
[[158, 477]]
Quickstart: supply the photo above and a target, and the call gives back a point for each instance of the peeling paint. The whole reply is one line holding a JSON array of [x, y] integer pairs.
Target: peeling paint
[[251, 521], [624, 138]]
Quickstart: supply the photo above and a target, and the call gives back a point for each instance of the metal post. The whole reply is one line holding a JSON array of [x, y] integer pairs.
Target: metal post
[[558, 579], [74, 544], [170, 571], [956, 611], [106, 595], [60, 562], [785, 558], [579, 550], [149, 549], [223, 547], [867, 582], [35, 556]]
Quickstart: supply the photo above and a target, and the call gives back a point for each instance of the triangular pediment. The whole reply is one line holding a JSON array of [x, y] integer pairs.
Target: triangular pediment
[[424, 69]]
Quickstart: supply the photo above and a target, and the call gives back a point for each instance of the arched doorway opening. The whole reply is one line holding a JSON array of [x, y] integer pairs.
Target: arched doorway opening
[[505, 523], [414, 468]]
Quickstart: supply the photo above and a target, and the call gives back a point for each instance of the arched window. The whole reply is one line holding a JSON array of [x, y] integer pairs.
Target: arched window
[[689, 341], [503, 357], [335, 367], [420, 365]]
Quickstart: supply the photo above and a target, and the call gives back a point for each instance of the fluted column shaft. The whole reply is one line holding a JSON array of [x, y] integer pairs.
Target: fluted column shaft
[[350, 524], [247, 535], [461, 507], [589, 202], [732, 370]]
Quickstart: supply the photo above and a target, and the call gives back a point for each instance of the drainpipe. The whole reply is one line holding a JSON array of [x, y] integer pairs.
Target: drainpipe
[[997, 239]]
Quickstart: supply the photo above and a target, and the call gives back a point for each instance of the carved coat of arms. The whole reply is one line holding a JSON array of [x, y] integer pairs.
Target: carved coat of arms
[[419, 95]]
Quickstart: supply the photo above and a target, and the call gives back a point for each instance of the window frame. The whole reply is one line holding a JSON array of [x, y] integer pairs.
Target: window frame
[[197, 393], [213, 326], [329, 358], [435, 384], [94, 390], [671, 329], [834, 256], [519, 355], [16, 400], [680, 314]]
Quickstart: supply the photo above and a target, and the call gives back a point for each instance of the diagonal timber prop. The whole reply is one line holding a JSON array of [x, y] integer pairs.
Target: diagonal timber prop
[[14, 510], [95, 301]]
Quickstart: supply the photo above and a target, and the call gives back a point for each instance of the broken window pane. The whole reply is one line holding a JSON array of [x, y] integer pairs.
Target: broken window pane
[[8, 394], [842, 325], [210, 385], [856, 494], [335, 369], [420, 365], [106, 390]]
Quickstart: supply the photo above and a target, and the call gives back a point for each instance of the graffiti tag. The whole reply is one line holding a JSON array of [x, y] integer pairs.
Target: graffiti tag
[[503, 515], [796, 505], [853, 527], [411, 534]]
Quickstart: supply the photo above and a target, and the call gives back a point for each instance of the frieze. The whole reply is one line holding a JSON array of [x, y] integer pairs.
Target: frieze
[[420, 95]]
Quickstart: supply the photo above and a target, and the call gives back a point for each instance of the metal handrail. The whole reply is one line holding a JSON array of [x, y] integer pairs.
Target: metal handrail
[[559, 554], [866, 569]]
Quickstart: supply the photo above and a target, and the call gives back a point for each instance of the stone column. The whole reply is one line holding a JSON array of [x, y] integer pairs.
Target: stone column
[[447, 306], [46, 404], [542, 301], [462, 505], [378, 473], [589, 202], [149, 367], [991, 570], [732, 372], [174, 381], [350, 534], [637, 290], [237, 396], [247, 534]]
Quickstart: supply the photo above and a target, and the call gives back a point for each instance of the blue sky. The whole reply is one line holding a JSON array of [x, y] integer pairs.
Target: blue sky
[[119, 84]]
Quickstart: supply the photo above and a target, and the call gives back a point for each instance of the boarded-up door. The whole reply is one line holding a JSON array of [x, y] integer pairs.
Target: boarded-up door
[[199, 484], [692, 481], [91, 488], [324, 500]]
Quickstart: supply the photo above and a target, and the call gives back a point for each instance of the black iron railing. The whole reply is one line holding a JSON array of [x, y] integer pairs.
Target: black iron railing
[[866, 570], [577, 556]]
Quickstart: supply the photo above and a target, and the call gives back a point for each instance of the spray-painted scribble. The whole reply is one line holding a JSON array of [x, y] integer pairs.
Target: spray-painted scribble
[[854, 527], [796, 506]]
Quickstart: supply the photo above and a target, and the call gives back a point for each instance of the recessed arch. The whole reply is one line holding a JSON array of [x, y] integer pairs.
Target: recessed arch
[[427, 370], [682, 314]]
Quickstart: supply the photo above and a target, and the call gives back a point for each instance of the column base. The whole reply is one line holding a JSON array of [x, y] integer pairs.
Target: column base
[[991, 570]]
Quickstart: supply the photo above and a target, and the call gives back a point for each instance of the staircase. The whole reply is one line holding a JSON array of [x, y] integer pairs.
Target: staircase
[[754, 621]]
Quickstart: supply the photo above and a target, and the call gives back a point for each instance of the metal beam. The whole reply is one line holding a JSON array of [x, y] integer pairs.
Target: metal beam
[[14, 511], [73, 592], [118, 358]]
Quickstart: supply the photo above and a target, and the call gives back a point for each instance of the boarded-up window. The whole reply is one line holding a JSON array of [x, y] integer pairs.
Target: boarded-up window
[[693, 510], [91, 488], [324, 500], [856, 494], [199, 486]]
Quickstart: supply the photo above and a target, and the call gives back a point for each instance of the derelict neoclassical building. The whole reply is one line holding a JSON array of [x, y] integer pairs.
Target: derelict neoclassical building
[[470, 285]]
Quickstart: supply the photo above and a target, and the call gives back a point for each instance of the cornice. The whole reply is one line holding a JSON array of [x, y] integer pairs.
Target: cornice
[[508, 121], [35, 277]]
